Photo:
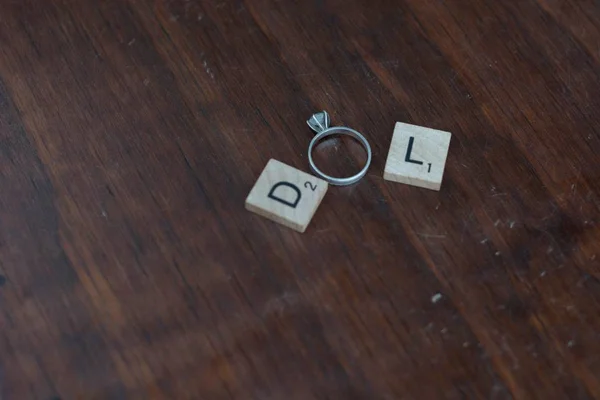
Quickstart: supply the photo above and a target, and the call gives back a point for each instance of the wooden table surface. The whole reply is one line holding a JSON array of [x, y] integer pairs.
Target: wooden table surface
[[132, 131]]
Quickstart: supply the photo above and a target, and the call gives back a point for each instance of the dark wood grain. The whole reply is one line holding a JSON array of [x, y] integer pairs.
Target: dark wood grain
[[132, 131]]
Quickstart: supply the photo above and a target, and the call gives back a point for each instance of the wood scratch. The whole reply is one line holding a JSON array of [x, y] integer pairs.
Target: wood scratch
[[464, 228], [431, 236]]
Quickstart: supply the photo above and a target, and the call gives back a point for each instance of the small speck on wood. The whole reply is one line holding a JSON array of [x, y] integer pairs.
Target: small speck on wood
[[436, 297]]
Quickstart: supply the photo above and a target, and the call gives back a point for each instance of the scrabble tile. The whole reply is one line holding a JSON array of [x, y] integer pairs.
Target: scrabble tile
[[286, 195], [417, 156]]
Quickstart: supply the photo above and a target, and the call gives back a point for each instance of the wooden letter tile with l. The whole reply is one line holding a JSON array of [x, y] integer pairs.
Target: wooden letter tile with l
[[417, 156], [286, 195]]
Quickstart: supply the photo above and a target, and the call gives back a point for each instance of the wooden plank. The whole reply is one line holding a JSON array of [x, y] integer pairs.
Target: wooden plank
[[131, 132]]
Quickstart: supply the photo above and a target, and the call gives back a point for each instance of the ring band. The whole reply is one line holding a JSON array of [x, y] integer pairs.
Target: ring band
[[339, 130]]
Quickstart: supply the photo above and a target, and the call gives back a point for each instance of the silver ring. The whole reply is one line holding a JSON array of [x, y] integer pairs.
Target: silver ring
[[319, 123]]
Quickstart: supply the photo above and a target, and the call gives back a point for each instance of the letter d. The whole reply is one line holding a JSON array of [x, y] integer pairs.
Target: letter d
[[277, 197]]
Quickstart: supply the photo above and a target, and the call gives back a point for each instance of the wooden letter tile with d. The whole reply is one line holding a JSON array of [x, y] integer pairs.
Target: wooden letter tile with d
[[417, 156], [286, 195]]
